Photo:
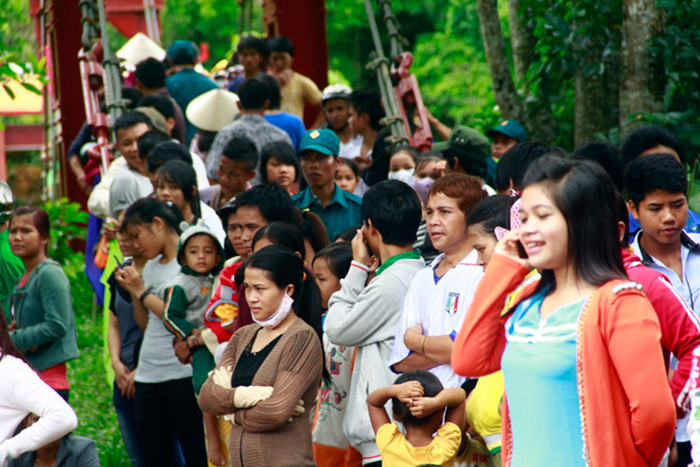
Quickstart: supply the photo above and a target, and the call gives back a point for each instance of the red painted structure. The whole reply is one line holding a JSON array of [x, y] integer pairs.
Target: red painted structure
[[57, 26]]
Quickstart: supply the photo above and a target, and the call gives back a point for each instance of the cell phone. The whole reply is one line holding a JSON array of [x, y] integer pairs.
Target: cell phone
[[127, 262], [521, 249]]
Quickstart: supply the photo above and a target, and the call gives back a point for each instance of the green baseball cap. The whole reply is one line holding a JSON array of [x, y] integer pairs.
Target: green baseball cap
[[510, 128], [465, 140], [323, 140]]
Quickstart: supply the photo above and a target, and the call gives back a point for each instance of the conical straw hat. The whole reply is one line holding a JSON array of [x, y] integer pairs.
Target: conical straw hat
[[213, 110], [139, 48]]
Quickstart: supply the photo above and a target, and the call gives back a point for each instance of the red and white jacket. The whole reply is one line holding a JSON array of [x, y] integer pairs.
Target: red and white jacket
[[680, 327]]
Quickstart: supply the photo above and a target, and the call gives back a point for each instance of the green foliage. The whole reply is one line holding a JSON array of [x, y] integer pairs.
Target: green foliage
[[213, 21], [678, 49], [67, 225], [17, 47], [453, 74], [91, 398], [68, 229]]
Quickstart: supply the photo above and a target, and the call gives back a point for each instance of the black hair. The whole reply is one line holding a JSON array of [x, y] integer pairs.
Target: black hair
[[585, 196], [131, 95], [242, 149], [151, 73], [148, 141], [252, 42], [624, 217], [282, 233], [648, 137], [654, 172], [492, 212], [607, 155], [468, 161], [131, 119], [282, 152], [348, 234], [274, 90], [353, 166], [281, 44], [205, 140], [338, 256], [144, 210], [312, 228], [395, 211], [283, 267], [516, 160], [163, 104], [167, 151], [183, 175], [431, 388], [368, 101], [410, 150], [7, 347], [253, 93], [273, 202]]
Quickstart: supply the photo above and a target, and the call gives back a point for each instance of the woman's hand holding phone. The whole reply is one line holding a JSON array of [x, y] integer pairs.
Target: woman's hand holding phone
[[511, 246]]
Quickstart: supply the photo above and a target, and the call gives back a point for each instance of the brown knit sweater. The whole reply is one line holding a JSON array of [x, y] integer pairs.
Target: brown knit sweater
[[262, 435]]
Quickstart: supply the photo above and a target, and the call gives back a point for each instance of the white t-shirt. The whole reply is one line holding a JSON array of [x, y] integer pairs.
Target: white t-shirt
[[127, 187], [22, 393], [440, 307], [201, 171], [352, 148]]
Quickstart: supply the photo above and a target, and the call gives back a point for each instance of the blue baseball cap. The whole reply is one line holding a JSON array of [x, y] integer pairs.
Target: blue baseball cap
[[510, 128], [322, 140]]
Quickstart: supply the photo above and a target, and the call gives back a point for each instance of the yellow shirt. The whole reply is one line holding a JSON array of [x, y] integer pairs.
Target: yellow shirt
[[483, 408], [396, 451], [298, 92]]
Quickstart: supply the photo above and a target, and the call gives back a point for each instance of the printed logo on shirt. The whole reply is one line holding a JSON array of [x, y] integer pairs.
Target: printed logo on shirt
[[452, 303]]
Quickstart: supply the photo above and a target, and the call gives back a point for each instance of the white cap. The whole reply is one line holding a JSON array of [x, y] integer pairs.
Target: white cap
[[139, 48], [336, 91], [213, 110]]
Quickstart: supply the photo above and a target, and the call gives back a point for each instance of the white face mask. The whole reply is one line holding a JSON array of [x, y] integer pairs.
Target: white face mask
[[404, 175], [279, 315]]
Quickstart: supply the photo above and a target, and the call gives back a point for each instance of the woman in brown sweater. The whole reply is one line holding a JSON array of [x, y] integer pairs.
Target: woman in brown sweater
[[270, 372]]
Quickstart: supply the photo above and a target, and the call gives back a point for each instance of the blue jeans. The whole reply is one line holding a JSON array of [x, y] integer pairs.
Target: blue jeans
[[126, 417]]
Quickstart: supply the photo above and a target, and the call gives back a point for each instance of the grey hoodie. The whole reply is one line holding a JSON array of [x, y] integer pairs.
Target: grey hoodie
[[367, 317]]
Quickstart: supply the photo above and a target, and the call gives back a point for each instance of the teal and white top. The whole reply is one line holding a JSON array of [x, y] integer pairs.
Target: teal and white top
[[539, 368]]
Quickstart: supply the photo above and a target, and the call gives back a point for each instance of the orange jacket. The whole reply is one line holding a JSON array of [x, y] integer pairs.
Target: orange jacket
[[627, 410]]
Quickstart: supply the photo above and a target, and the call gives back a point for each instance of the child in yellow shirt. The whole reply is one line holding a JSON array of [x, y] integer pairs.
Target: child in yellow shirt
[[418, 402]]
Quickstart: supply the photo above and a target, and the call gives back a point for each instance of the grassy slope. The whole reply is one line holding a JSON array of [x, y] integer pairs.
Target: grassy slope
[[90, 396]]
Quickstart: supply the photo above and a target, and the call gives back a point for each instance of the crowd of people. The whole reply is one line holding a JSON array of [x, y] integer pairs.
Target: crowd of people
[[278, 295]]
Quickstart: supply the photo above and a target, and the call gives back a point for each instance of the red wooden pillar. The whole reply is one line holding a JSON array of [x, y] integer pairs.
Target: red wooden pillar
[[304, 22], [61, 36]]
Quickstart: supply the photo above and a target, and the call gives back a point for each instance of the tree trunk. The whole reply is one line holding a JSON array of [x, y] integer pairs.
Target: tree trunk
[[522, 40], [596, 77], [499, 66], [642, 79]]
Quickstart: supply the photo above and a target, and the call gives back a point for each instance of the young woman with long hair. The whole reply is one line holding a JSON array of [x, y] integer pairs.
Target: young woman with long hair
[[176, 181], [271, 371], [165, 406], [585, 380]]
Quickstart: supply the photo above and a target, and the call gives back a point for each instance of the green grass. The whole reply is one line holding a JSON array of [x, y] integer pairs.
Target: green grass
[[91, 397]]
